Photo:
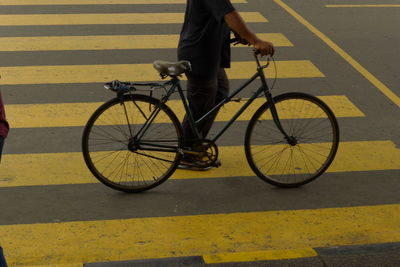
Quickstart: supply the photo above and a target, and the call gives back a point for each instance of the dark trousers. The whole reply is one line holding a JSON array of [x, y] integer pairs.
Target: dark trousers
[[3, 262], [203, 93]]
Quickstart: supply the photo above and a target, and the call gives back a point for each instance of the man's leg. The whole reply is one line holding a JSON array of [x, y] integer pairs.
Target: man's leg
[[201, 95], [221, 94]]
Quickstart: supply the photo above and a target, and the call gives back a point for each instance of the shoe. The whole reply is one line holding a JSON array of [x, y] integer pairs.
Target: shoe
[[192, 166], [217, 163]]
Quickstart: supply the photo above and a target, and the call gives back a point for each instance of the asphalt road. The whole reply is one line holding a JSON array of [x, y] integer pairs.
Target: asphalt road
[[355, 48]]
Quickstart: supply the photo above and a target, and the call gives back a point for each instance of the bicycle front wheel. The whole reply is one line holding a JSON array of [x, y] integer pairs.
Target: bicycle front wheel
[[316, 133], [131, 144]]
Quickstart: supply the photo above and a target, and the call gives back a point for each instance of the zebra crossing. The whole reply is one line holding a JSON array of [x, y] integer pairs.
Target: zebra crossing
[[87, 19], [114, 240], [136, 72], [69, 168], [76, 114], [109, 42], [217, 236]]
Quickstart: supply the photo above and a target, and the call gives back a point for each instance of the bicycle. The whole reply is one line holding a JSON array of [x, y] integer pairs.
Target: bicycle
[[134, 142]]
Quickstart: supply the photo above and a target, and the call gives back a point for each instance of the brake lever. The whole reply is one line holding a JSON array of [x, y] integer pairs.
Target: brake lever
[[238, 40]]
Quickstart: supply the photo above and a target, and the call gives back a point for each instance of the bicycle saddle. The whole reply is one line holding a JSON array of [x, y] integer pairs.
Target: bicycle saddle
[[172, 68]]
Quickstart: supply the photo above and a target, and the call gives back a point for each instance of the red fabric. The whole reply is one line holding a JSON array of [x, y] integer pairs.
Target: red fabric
[[4, 127]]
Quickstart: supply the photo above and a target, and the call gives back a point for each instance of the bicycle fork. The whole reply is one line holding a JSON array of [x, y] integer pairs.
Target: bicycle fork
[[290, 139]]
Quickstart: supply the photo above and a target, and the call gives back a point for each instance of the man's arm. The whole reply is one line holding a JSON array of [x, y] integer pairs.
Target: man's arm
[[238, 25]]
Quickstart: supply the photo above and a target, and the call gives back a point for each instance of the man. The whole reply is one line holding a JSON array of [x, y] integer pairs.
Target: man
[[205, 42], [3, 125]]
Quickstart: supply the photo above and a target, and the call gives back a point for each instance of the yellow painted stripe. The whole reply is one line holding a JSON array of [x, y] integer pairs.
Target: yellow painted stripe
[[77, 114], [58, 265], [69, 168], [363, 71], [260, 255], [158, 237], [118, 18], [95, 2], [394, 5], [108, 42], [138, 72]]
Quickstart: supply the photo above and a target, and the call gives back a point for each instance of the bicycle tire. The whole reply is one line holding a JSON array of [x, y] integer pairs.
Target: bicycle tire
[[120, 163], [311, 122]]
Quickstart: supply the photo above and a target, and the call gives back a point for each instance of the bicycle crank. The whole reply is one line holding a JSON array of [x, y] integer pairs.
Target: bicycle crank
[[206, 153]]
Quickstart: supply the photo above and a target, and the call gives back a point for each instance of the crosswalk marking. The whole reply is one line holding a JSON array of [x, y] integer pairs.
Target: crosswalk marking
[[77, 114], [96, 2], [355, 64], [219, 237], [108, 42], [69, 168], [139, 72], [159, 237], [108, 18]]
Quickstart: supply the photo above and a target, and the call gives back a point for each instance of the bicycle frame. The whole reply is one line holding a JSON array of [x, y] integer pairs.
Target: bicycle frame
[[262, 89], [194, 124], [176, 86]]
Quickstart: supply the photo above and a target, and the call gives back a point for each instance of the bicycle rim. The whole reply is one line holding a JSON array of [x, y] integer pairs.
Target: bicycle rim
[[116, 159], [310, 122]]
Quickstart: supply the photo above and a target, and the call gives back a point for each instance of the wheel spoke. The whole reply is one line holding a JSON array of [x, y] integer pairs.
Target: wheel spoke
[[312, 125], [113, 155]]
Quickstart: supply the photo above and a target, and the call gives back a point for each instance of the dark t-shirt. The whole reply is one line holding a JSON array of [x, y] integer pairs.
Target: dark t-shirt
[[204, 39]]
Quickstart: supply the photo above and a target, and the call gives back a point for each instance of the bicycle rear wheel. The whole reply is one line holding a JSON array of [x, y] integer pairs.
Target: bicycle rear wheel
[[315, 129], [121, 158]]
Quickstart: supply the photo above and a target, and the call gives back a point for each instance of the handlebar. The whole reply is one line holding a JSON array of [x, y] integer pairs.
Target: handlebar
[[238, 40], [235, 40]]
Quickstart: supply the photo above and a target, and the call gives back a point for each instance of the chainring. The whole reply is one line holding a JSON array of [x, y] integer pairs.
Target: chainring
[[206, 152]]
